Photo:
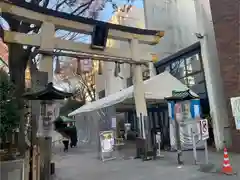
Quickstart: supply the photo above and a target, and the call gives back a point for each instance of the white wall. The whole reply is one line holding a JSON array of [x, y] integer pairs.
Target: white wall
[[175, 17]]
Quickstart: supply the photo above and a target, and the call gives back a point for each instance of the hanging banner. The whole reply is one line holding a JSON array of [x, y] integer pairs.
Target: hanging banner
[[107, 141]]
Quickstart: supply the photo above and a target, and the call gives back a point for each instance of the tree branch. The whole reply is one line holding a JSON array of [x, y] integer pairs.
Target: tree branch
[[81, 6]]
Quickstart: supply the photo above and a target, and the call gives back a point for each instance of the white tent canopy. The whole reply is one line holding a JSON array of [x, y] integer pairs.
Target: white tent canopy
[[157, 87]]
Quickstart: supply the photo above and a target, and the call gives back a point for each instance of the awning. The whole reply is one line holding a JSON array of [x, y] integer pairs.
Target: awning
[[157, 87]]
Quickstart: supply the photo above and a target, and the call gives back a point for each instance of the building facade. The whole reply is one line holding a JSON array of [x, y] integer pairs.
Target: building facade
[[177, 19], [225, 17], [203, 23]]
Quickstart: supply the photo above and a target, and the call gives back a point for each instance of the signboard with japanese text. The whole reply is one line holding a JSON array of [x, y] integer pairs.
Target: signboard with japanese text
[[204, 129]]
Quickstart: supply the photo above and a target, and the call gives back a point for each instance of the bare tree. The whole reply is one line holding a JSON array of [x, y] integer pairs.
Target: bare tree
[[80, 83]]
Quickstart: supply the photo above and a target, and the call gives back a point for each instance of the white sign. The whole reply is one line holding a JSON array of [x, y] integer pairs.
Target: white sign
[[204, 129], [235, 103], [107, 141], [114, 122], [158, 137]]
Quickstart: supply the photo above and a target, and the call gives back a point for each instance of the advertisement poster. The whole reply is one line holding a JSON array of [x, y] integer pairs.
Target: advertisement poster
[[186, 113], [178, 111], [107, 141]]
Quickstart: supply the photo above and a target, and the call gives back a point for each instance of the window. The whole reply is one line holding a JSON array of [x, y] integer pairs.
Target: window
[[178, 69], [146, 74], [196, 78], [193, 64], [184, 80], [129, 81], [101, 94]]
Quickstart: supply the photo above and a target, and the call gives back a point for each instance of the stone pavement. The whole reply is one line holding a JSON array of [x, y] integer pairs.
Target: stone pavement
[[82, 164]]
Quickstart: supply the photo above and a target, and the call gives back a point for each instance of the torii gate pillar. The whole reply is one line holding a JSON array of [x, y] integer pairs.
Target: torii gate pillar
[[139, 91], [47, 44]]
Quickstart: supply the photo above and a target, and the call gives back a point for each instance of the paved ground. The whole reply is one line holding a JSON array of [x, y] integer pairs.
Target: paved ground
[[82, 164]]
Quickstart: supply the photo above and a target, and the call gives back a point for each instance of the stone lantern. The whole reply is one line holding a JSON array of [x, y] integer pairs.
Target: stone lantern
[[47, 96]]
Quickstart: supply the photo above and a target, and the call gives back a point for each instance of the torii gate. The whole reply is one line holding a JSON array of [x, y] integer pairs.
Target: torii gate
[[49, 20], [48, 43]]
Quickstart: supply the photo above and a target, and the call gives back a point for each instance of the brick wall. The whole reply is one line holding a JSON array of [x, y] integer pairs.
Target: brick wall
[[226, 20]]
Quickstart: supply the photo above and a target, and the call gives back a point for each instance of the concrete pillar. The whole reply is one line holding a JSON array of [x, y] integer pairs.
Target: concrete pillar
[[213, 78]]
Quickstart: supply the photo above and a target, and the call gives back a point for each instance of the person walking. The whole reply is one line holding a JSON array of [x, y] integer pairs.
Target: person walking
[[73, 136], [65, 143]]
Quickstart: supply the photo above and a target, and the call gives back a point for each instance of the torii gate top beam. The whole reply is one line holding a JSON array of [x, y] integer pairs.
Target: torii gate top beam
[[36, 15]]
